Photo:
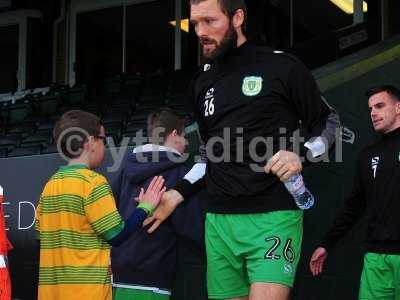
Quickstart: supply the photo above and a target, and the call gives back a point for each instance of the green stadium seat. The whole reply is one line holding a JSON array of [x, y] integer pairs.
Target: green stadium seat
[[93, 107], [112, 85], [42, 140], [23, 129], [138, 117], [50, 149], [152, 100], [114, 131], [133, 84], [35, 118], [3, 153], [26, 151], [77, 96], [113, 119], [131, 135], [45, 127], [9, 142], [16, 113], [49, 105], [134, 127], [122, 110]]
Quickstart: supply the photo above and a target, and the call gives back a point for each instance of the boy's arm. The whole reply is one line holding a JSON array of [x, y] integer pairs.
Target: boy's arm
[[103, 215]]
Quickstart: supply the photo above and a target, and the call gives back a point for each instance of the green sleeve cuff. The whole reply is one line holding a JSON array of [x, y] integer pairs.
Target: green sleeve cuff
[[148, 208], [113, 232]]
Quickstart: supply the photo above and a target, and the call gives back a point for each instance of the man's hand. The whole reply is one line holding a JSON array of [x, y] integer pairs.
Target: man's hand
[[317, 261], [154, 192], [169, 202], [284, 164]]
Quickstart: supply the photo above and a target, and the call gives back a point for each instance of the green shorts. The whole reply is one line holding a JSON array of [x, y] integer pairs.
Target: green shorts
[[120, 293], [243, 249], [380, 279]]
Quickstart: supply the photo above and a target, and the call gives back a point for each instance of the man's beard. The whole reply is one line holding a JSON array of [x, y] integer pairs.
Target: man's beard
[[228, 42]]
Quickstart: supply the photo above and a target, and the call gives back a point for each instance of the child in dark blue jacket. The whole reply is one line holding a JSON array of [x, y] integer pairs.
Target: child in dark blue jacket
[[144, 267]]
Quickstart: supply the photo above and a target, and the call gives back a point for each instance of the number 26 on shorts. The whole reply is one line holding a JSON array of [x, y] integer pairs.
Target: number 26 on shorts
[[288, 252]]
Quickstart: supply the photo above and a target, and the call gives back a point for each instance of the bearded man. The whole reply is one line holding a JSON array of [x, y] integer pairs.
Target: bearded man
[[253, 226]]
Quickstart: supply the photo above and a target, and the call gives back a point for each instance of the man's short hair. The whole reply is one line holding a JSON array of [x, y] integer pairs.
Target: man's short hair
[[390, 89], [162, 122], [72, 130], [229, 8]]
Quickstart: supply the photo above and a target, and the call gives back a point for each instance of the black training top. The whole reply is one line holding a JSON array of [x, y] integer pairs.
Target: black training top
[[252, 99], [376, 190]]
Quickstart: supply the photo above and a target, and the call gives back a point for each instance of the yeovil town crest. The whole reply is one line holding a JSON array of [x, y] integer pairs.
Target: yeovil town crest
[[252, 85]]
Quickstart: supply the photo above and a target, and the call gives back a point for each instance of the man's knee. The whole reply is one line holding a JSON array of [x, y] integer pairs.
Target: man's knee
[[269, 291]]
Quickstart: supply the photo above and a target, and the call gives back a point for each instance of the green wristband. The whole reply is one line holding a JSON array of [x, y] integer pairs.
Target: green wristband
[[148, 208]]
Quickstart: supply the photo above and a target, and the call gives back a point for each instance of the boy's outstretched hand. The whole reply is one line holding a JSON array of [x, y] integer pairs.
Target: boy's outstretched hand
[[154, 192], [169, 201]]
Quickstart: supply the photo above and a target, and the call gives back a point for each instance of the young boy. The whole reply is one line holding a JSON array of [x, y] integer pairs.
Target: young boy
[[77, 219], [149, 275]]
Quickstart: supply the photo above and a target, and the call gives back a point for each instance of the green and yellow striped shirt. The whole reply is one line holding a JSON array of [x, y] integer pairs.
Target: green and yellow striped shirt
[[75, 217]]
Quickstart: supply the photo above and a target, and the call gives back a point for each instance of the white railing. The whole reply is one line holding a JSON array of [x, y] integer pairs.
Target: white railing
[[21, 94]]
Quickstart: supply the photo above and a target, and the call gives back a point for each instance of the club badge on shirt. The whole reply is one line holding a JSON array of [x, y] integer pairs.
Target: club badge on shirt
[[252, 85]]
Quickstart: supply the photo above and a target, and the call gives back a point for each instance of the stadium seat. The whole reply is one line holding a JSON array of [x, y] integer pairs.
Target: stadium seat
[[123, 99], [152, 100], [33, 150], [23, 129], [155, 84], [3, 153], [114, 131], [114, 118], [135, 126], [77, 96], [3, 113], [9, 142], [50, 149], [48, 105], [45, 127], [35, 118], [138, 117], [92, 107], [112, 85], [42, 140], [2, 127], [131, 135], [180, 83], [122, 109], [16, 113], [133, 84]]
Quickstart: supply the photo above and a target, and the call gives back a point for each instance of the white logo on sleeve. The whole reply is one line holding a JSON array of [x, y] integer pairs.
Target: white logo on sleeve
[[209, 107], [374, 164], [207, 67]]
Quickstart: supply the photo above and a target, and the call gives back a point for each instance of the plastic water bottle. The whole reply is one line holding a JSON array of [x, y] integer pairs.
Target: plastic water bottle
[[302, 196]]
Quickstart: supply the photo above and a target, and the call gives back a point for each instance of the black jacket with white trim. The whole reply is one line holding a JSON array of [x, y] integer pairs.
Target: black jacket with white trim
[[248, 104]]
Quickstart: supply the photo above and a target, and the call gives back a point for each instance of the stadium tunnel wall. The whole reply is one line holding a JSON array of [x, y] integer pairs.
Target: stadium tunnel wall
[[344, 84]]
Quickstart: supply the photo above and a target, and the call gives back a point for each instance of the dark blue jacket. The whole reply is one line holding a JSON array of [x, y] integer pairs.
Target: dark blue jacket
[[150, 259]]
